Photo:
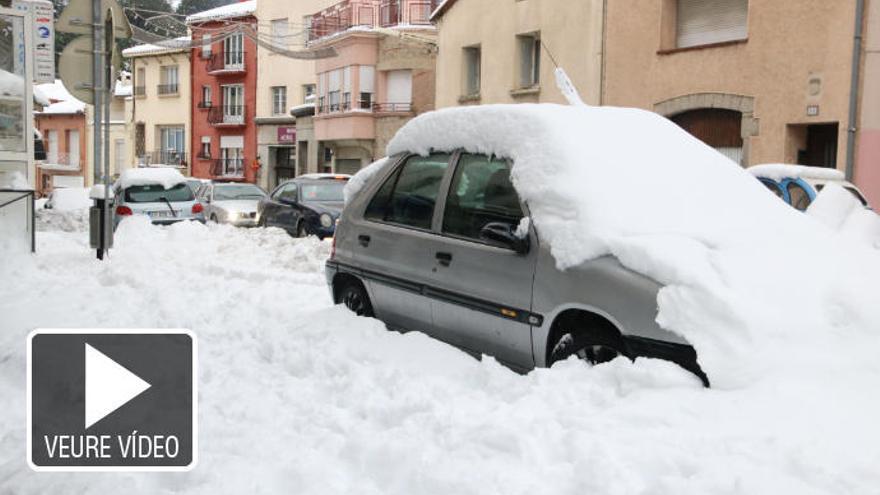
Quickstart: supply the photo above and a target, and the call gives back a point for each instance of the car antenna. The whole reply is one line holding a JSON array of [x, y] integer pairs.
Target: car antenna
[[563, 82]]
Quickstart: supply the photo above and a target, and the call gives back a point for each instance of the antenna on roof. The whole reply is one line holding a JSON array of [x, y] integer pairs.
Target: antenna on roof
[[566, 87]]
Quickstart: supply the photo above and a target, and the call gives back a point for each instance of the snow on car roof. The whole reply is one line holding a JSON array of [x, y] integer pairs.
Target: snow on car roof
[[779, 171], [167, 177], [627, 182]]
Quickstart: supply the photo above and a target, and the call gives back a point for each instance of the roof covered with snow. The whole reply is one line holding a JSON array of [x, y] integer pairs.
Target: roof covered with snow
[[62, 102], [167, 177], [779, 171], [181, 44], [725, 249], [231, 11]]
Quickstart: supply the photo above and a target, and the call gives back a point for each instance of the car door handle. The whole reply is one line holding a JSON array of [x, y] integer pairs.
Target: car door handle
[[445, 259], [364, 240]]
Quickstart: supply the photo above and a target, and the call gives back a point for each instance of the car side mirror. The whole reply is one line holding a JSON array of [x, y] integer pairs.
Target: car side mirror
[[505, 235]]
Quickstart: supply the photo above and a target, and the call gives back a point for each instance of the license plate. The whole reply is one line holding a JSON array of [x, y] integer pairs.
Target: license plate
[[160, 214]]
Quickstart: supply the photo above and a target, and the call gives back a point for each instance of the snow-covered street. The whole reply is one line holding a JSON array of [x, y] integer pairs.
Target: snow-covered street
[[298, 396]]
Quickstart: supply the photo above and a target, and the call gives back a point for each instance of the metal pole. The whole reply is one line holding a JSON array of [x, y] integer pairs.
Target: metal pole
[[109, 84], [854, 91], [97, 79]]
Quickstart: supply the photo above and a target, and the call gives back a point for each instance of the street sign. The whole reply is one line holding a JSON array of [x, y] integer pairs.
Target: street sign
[[76, 65], [43, 21]]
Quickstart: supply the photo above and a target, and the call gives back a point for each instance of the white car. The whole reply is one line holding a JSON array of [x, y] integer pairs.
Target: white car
[[162, 194], [798, 185], [232, 202]]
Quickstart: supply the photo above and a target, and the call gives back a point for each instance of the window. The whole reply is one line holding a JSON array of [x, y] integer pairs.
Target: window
[[233, 103], [307, 22], [334, 89], [169, 79], [279, 100], [205, 152], [346, 88], [233, 51], [140, 82], [280, 30], [703, 22], [232, 162], [308, 92], [399, 84], [481, 193], [367, 86], [13, 108], [529, 60], [206, 46], [206, 97], [472, 62], [409, 195], [172, 144], [286, 192]]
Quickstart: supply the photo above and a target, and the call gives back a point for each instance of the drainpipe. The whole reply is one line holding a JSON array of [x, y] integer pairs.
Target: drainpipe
[[604, 56], [854, 90]]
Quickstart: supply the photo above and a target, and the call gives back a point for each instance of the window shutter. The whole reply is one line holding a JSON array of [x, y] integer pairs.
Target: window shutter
[[367, 73], [702, 22]]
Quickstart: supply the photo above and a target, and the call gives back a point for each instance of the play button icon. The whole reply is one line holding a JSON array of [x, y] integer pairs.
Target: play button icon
[[108, 385], [112, 400]]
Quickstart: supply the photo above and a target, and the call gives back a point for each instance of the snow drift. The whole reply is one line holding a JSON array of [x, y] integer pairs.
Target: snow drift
[[757, 287]]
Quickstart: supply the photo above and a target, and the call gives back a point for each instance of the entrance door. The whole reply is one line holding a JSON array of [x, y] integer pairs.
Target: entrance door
[[821, 149], [717, 127]]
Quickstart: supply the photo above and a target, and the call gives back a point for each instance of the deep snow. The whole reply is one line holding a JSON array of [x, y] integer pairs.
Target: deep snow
[[297, 396]]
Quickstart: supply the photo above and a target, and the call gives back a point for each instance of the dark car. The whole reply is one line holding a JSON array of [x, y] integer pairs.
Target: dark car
[[307, 205]]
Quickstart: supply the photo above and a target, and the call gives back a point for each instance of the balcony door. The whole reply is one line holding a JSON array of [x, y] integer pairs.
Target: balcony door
[[73, 148], [233, 51], [173, 145], [233, 103]]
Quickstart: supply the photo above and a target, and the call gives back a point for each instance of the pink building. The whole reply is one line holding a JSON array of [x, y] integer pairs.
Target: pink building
[[382, 75]]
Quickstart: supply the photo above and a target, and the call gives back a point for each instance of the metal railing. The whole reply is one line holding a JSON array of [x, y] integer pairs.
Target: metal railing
[[64, 160], [140, 91], [167, 89], [384, 13], [226, 62], [392, 107], [228, 168], [175, 158], [227, 115], [205, 104]]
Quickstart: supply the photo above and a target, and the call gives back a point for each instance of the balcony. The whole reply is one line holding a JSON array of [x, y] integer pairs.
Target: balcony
[[174, 158], [140, 91], [61, 161], [228, 168], [226, 63], [227, 115], [204, 105], [167, 89], [392, 107], [371, 13]]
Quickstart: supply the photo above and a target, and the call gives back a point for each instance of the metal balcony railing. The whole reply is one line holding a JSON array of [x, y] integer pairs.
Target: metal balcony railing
[[229, 168], [227, 115], [392, 107], [63, 160], [167, 89], [140, 91], [384, 13], [226, 62], [205, 104], [176, 158]]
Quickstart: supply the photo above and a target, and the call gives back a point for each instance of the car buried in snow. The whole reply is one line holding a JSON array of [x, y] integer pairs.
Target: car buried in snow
[[798, 185], [306, 205], [160, 193], [442, 243]]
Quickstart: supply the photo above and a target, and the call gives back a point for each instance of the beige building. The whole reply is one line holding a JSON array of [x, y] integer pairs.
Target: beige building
[[160, 115], [283, 82], [503, 51], [120, 130], [760, 80]]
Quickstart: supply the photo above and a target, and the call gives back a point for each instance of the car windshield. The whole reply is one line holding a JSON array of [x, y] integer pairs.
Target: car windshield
[[323, 191], [154, 193], [237, 191]]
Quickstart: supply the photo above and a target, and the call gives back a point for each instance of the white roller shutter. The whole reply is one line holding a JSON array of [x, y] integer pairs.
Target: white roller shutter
[[400, 86], [367, 76], [702, 22], [232, 141]]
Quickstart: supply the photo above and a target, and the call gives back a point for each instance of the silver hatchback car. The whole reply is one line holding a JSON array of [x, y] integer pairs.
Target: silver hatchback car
[[442, 244], [163, 206]]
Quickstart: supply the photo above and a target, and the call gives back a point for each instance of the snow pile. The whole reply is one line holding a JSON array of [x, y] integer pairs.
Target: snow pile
[[742, 281], [780, 171], [70, 198], [299, 397], [840, 211], [62, 220], [167, 177]]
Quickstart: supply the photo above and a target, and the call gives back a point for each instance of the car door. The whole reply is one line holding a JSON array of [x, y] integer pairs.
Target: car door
[[278, 208], [394, 241], [482, 287]]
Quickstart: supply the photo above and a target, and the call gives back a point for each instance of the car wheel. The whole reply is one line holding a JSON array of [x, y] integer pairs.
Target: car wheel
[[355, 298], [594, 347], [301, 230]]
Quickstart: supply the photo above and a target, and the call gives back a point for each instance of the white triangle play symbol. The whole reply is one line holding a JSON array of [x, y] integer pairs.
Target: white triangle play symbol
[[108, 385]]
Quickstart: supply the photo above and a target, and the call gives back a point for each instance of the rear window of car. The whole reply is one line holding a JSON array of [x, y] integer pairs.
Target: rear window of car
[[154, 193]]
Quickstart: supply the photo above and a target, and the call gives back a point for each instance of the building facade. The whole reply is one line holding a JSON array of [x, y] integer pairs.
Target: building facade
[[224, 93], [382, 76], [867, 159], [62, 124], [119, 130], [160, 126], [284, 81], [510, 59], [760, 80]]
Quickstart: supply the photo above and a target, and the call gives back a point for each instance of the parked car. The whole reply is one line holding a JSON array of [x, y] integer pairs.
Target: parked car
[[798, 185], [196, 184], [443, 244], [232, 202], [307, 205], [162, 194]]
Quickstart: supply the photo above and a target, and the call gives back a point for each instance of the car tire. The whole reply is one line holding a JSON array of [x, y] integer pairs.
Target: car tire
[[355, 298], [301, 230], [594, 346]]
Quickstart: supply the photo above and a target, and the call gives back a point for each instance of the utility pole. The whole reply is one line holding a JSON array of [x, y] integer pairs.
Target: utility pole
[[97, 110]]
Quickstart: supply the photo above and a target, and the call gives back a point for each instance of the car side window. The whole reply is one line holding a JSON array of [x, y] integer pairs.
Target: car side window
[[799, 197], [481, 193], [408, 196], [773, 187], [287, 192]]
